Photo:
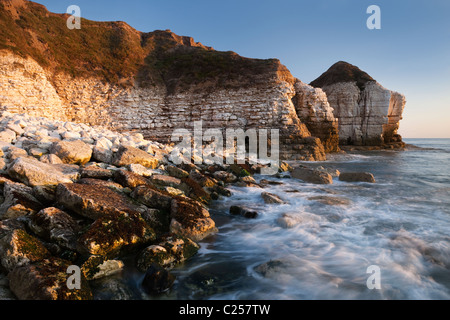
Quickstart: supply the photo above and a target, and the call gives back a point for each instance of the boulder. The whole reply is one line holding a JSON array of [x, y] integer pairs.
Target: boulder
[[72, 152], [102, 154], [55, 225], [96, 172], [18, 248], [157, 280], [97, 267], [111, 233], [35, 173], [7, 135], [129, 179], [331, 201], [271, 198], [127, 155], [357, 177], [152, 198], [190, 219], [312, 176], [47, 280], [140, 170], [51, 159], [106, 183], [168, 253], [177, 172], [165, 181], [224, 176], [18, 201], [93, 201], [242, 211]]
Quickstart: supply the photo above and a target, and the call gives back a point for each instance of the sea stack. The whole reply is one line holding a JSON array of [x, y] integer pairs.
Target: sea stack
[[368, 114]]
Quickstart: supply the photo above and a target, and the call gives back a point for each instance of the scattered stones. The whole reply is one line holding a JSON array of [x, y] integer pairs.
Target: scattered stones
[[312, 176], [357, 177]]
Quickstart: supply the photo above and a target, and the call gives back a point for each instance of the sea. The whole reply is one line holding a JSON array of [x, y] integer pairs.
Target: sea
[[388, 240]]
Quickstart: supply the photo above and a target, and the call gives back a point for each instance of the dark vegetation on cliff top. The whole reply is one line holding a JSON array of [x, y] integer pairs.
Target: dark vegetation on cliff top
[[342, 72], [115, 52]]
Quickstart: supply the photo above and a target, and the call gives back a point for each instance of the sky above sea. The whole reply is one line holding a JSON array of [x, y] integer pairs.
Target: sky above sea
[[409, 54]]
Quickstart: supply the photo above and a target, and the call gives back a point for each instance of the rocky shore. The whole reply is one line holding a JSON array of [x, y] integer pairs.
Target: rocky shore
[[74, 195]]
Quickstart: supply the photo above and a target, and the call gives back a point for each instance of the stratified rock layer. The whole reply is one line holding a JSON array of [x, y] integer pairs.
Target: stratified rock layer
[[368, 114]]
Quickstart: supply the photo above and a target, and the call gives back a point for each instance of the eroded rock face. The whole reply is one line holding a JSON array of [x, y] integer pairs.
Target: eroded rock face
[[368, 114]]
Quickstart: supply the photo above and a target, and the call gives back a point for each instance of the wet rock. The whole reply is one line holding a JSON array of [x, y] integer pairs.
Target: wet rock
[[46, 280], [72, 152], [35, 173], [241, 170], [331, 201], [312, 176], [108, 235], [269, 268], [129, 179], [201, 179], [5, 292], [152, 198], [265, 182], [332, 172], [18, 248], [195, 191], [190, 219], [18, 201], [93, 201], [357, 177], [158, 220], [242, 211], [168, 253], [55, 225], [113, 288], [225, 176], [129, 155], [97, 267], [271, 198], [157, 280]]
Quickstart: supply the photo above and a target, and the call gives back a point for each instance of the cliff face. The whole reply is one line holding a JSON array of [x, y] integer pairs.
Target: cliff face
[[368, 114], [112, 75]]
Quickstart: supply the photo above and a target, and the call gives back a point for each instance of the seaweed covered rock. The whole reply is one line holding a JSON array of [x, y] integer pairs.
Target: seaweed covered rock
[[191, 219], [167, 253], [47, 280], [55, 225], [93, 201], [18, 248], [113, 232], [129, 179], [152, 198]]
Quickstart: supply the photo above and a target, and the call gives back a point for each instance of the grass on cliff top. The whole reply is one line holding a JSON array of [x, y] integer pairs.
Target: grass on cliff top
[[116, 53], [342, 72]]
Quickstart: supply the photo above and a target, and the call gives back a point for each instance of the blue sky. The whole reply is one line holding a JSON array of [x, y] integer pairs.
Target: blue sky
[[410, 54]]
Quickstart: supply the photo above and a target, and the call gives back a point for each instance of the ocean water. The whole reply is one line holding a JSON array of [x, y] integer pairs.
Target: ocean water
[[320, 244]]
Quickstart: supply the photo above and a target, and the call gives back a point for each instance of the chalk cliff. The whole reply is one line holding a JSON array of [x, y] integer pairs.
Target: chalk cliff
[[368, 114], [109, 74]]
